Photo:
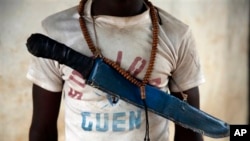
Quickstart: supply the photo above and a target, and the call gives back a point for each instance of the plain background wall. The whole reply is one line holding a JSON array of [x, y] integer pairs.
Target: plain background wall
[[219, 26]]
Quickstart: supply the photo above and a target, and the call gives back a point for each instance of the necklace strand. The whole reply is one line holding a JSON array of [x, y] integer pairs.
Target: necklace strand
[[97, 53]]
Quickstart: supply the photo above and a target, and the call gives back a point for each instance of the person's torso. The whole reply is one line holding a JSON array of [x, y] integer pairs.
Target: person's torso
[[91, 114]]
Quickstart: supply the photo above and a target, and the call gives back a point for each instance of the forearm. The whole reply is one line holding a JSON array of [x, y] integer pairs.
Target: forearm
[[37, 133], [46, 107], [184, 134]]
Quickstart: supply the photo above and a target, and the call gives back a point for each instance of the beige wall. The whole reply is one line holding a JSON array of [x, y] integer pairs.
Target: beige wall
[[220, 28]]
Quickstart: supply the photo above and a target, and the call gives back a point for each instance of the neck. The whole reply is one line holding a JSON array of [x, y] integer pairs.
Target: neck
[[120, 8]]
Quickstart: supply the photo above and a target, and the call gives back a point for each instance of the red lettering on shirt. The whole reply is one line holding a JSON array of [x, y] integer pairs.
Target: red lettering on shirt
[[137, 66], [119, 58], [76, 74], [155, 81], [75, 94]]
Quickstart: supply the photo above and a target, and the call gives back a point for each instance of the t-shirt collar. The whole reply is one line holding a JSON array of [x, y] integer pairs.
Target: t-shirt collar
[[118, 21]]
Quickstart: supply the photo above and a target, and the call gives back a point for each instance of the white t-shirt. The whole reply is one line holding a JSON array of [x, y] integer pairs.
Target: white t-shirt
[[90, 114]]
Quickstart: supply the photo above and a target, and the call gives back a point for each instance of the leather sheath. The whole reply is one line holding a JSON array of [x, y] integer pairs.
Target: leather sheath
[[102, 76]]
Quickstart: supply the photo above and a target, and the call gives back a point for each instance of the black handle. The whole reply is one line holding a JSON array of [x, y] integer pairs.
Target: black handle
[[42, 46]]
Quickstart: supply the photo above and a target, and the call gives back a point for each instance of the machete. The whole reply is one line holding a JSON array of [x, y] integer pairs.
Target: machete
[[102, 76]]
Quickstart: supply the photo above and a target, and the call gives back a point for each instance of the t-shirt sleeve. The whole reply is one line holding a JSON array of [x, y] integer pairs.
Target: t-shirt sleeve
[[188, 72], [45, 73]]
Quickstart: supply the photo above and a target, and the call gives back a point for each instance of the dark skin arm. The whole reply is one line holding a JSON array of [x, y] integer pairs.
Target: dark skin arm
[[183, 134], [46, 107]]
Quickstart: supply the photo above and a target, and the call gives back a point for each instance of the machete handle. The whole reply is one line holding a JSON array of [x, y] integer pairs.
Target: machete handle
[[40, 45]]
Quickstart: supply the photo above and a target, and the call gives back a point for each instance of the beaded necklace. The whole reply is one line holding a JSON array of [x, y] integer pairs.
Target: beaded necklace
[[97, 54]]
